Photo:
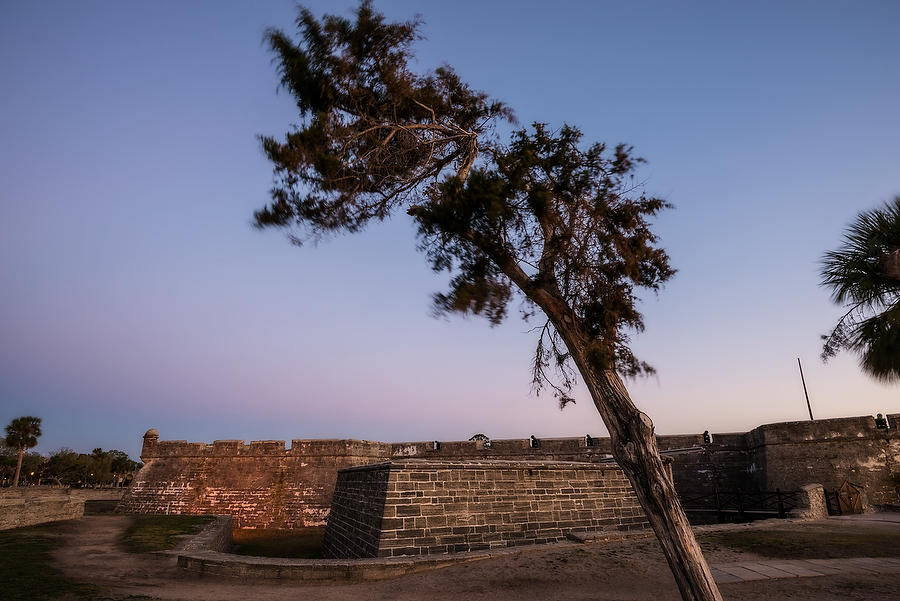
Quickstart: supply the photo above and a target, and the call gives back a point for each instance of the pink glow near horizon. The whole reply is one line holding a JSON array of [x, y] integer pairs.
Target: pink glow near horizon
[[135, 294]]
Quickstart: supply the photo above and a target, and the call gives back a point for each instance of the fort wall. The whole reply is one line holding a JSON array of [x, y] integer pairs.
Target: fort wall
[[261, 485], [268, 485], [427, 506], [829, 452]]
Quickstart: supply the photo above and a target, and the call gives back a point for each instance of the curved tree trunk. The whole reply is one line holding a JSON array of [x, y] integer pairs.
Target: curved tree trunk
[[634, 448], [631, 432], [891, 264], [18, 467]]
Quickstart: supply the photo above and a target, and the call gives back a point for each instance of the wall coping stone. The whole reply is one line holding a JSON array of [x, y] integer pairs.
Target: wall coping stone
[[418, 463], [772, 433], [368, 568], [158, 449], [821, 430]]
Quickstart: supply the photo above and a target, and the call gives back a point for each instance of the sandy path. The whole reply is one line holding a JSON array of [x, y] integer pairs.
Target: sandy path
[[91, 554], [627, 571]]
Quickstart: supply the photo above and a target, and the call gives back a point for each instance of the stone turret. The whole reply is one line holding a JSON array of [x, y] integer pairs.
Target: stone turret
[[151, 437]]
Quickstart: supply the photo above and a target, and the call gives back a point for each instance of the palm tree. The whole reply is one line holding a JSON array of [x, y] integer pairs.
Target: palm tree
[[22, 434], [864, 276]]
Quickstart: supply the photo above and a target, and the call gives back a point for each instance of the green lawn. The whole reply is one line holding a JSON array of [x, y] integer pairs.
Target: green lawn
[[148, 533], [305, 543], [27, 572]]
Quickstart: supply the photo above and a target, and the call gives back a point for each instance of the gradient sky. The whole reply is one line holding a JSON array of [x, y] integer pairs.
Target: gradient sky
[[135, 294]]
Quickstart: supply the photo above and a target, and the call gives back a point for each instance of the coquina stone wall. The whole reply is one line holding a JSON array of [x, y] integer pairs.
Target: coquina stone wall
[[829, 452], [261, 485], [29, 506], [265, 485], [423, 507]]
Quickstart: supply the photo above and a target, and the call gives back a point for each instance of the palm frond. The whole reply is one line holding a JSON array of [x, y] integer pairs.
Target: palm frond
[[864, 276]]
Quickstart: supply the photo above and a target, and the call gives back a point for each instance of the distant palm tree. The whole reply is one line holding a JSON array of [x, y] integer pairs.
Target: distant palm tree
[[864, 275], [22, 434]]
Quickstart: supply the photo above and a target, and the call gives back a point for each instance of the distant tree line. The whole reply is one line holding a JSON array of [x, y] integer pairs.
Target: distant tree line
[[65, 467]]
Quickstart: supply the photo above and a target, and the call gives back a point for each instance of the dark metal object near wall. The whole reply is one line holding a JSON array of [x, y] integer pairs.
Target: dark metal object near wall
[[743, 505]]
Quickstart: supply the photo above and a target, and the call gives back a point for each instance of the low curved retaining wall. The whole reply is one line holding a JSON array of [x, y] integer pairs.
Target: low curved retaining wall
[[28, 507], [217, 564], [206, 553], [237, 566]]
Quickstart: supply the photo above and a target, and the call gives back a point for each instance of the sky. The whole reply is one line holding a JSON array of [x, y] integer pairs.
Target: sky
[[135, 294]]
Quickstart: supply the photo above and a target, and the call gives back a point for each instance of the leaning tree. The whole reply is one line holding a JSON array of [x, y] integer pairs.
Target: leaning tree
[[22, 434], [864, 276], [544, 218]]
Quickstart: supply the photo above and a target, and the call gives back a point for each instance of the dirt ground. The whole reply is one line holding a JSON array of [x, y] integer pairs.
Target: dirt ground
[[633, 570]]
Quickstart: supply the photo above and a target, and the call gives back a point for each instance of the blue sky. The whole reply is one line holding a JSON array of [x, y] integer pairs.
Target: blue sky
[[135, 294]]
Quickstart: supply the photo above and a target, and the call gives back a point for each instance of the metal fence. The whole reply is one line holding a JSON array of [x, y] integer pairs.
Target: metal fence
[[743, 505]]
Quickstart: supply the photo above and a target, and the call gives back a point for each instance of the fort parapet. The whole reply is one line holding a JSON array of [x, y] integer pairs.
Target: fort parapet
[[266, 484]]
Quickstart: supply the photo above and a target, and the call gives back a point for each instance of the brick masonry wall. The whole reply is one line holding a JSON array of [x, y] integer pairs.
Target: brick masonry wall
[[357, 511], [24, 507], [433, 506], [265, 485]]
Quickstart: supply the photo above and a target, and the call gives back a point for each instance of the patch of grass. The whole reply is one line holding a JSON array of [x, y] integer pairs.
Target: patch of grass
[[104, 507], [149, 533], [26, 570], [303, 544], [813, 541]]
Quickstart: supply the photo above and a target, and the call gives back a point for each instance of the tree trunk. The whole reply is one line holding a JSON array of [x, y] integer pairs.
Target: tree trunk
[[631, 433], [634, 448], [18, 467], [890, 262]]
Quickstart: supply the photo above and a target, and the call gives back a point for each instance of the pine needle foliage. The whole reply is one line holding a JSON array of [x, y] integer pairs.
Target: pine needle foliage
[[864, 276], [542, 218]]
